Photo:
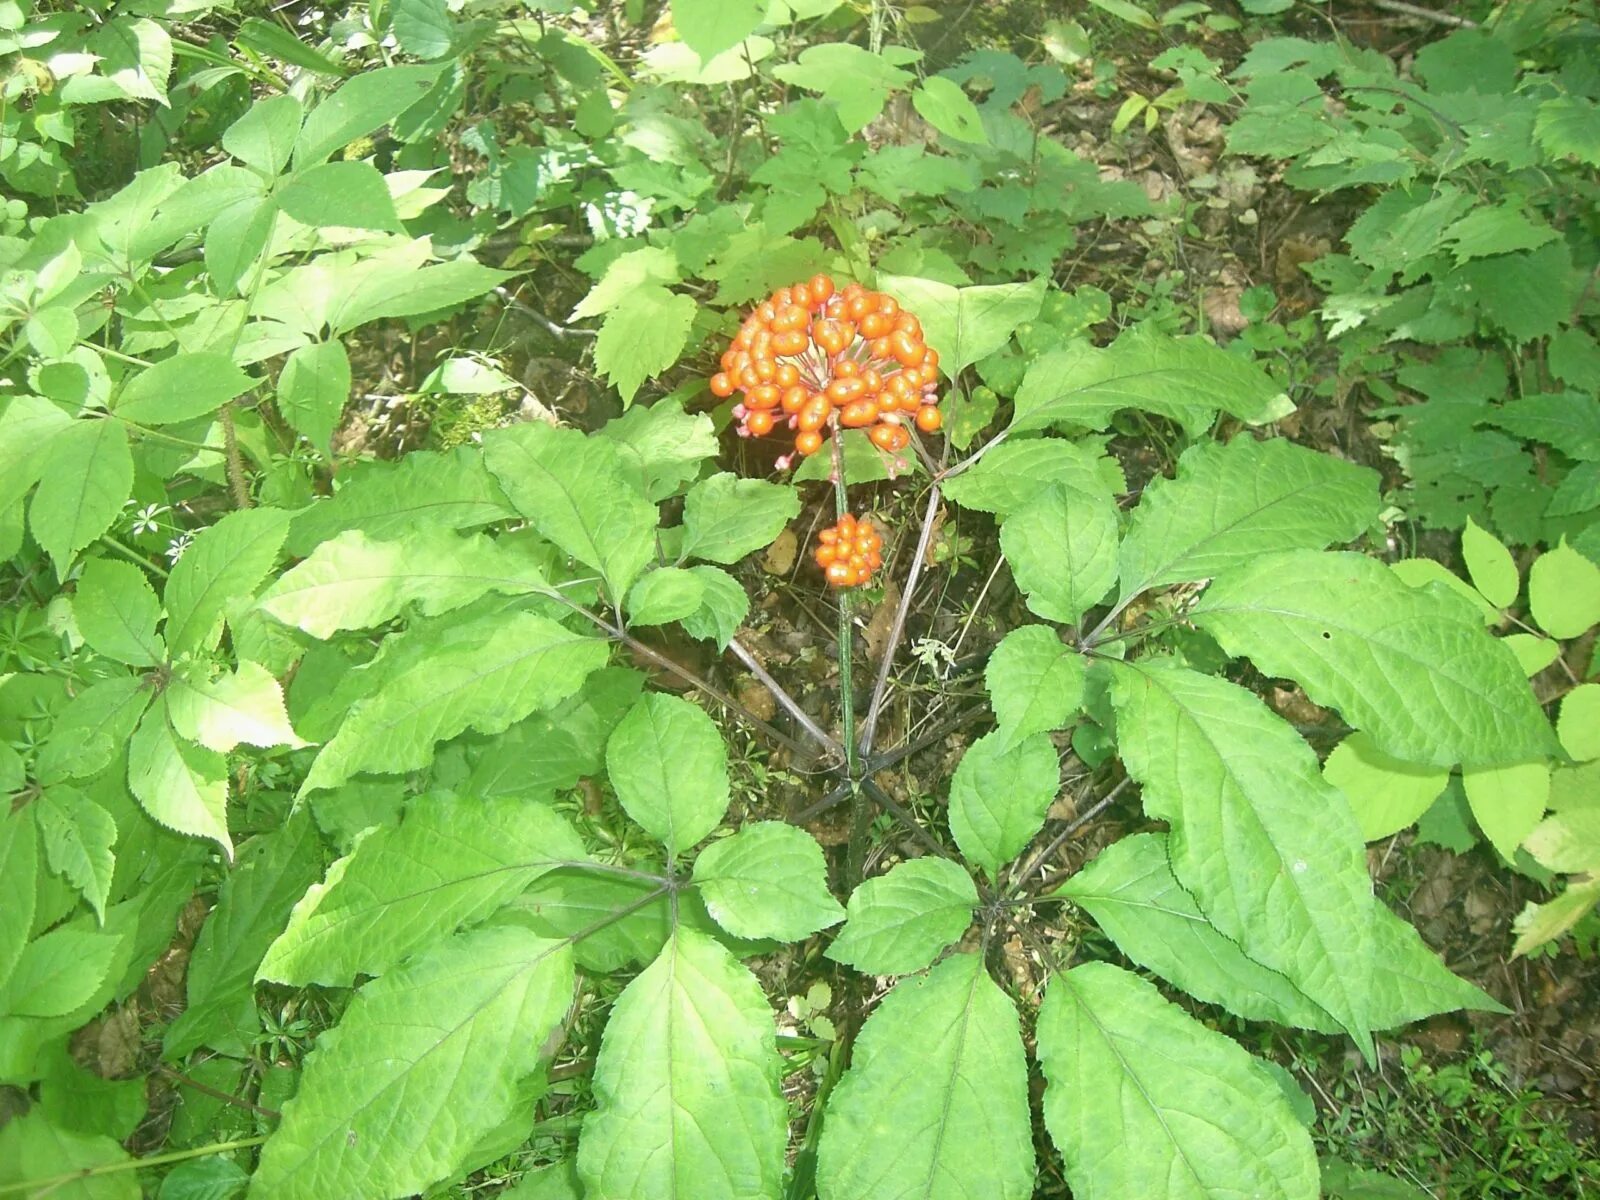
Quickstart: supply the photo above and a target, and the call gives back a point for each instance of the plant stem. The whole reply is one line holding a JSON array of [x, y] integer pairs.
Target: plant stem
[[133, 556], [859, 816], [789, 703], [880, 689], [42, 1186]]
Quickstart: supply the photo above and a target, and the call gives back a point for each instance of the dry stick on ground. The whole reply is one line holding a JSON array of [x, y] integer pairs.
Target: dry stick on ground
[[1424, 14], [789, 703]]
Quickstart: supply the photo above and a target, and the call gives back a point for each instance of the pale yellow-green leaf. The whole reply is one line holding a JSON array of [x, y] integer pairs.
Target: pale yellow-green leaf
[[1508, 801]]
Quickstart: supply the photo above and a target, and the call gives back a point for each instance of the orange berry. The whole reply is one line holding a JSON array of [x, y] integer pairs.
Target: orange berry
[[808, 442], [790, 341], [821, 288], [759, 422], [929, 419], [875, 325], [721, 385], [794, 398], [858, 414], [840, 575]]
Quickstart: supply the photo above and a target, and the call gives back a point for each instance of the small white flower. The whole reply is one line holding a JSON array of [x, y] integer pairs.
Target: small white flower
[[178, 545], [147, 519]]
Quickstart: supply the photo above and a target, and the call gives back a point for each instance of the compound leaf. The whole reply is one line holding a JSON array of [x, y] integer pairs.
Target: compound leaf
[[935, 1104], [686, 1084], [182, 388], [643, 336], [78, 837], [245, 705], [183, 787]]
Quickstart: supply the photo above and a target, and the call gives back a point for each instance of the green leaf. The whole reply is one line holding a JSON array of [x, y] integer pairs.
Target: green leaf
[[78, 837], [354, 581], [618, 920], [574, 491], [669, 766], [1563, 591], [664, 595], [642, 336], [387, 500], [358, 107], [486, 676], [898, 922], [692, 1034], [222, 566], [28, 424], [1496, 229], [451, 862], [1507, 801], [392, 290], [423, 27], [769, 880], [1131, 891], [92, 729], [935, 1103], [1340, 1181], [999, 797], [723, 606], [86, 472], [1413, 669], [965, 324], [19, 872], [1578, 726], [182, 388], [1533, 652], [1386, 794], [1230, 503], [854, 79], [1493, 571], [1568, 421], [1420, 572], [1537, 924], [711, 26], [1186, 379], [662, 447], [235, 241], [1269, 850], [1035, 683], [624, 274], [117, 611], [1569, 127], [58, 972], [942, 104], [454, 1031], [219, 713], [1197, 1117], [31, 1148], [136, 56], [725, 517], [183, 787], [345, 195], [1062, 548], [1012, 475], [253, 904], [1128, 11], [264, 137], [312, 390]]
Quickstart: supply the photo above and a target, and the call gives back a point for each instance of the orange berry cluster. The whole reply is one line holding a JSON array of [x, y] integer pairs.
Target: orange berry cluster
[[849, 552], [812, 357]]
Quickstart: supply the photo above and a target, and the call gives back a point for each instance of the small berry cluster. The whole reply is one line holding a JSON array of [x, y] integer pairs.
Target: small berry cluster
[[849, 552], [814, 356]]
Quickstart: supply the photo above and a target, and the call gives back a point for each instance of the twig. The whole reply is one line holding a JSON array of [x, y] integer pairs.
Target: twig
[[881, 688], [1060, 839], [789, 703], [206, 1089], [1424, 14]]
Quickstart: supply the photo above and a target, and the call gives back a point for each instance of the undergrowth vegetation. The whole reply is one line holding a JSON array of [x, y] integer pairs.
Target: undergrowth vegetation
[[598, 605]]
